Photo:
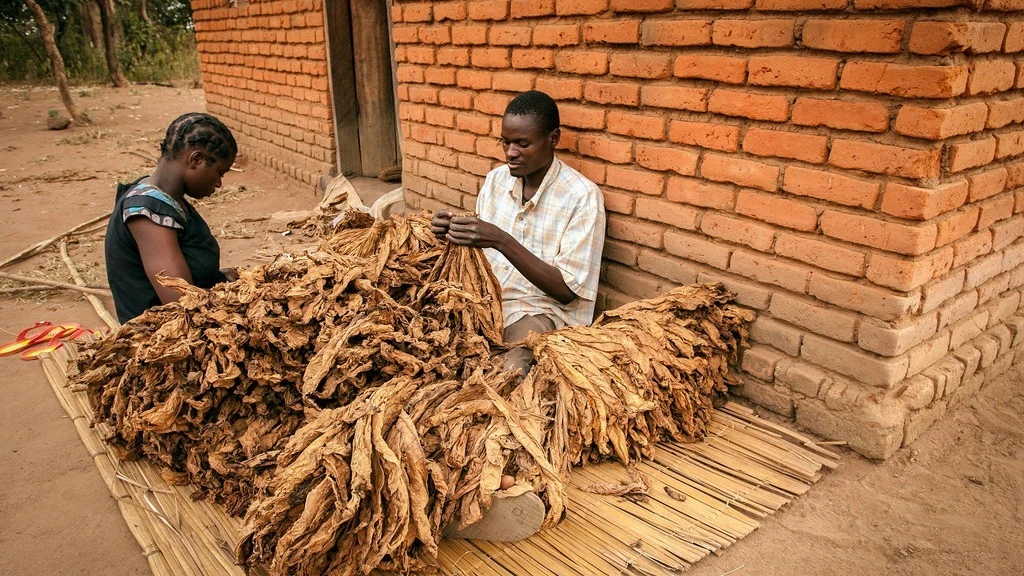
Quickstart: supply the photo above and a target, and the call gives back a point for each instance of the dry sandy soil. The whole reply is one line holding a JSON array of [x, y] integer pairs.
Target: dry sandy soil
[[951, 504]]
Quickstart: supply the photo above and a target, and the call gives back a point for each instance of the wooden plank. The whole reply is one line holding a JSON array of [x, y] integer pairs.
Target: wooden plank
[[342, 78], [378, 145]]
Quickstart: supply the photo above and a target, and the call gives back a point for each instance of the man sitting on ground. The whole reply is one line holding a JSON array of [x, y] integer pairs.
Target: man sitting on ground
[[541, 225]]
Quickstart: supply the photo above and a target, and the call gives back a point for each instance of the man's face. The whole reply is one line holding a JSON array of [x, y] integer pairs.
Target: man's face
[[528, 148]]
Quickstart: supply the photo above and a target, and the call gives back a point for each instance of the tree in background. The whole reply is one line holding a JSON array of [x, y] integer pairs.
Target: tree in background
[[108, 16], [46, 31]]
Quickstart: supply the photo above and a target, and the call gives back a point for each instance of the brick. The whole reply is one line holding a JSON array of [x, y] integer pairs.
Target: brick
[[852, 362], [621, 252], [714, 4], [490, 103], [635, 231], [1009, 144], [697, 248], [675, 97], [941, 123], [907, 274], [636, 125], [767, 330], [869, 231], [764, 33], [760, 362], [439, 76], [635, 180], [440, 117], [583, 117], [886, 159], [722, 137], [988, 345], [469, 34], [663, 158], [995, 210], [474, 123], [773, 398], [905, 80], [674, 269], [475, 164], [748, 294], [855, 35], [675, 33], [1000, 310], [800, 5], [814, 316], [931, 354], [641, 65], [774, 107], [1014, 41], [671, 213], [582, 62], [795, 145], [801, 377], [986, 184], [738, 230], [488, 9], [531, 8], [776, 210], [612, 32], [642, 5], [578, 7], [923, 203], [825, 255], [991, 289], [615, 201], [730, 69], [721, 168], [454, 11], [895, 340], [632, 282], [435, 35], [877, 302], [452, 56], [831, 187], [770, 270], [698, 192], [841, 114], [796, 71], [972, 247], [618, 93], [561, 88], [525, 58], [968, 329], [598, 146], [474, 79], [956, 226], [556, 35], [970, 357], [939, 38], [490, 58], [983, 269], [510, 35], [1004, 112], [1005, 233], [991, 76], [941, 290]]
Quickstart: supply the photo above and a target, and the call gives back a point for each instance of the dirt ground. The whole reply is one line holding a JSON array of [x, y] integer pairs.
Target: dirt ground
[[951, 504]]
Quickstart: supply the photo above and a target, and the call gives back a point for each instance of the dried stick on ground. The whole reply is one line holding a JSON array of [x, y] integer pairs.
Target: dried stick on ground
[[98, 306], [56, 284], [40, 246]]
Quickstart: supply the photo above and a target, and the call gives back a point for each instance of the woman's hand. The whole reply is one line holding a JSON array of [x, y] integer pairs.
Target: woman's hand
[[472, 231]]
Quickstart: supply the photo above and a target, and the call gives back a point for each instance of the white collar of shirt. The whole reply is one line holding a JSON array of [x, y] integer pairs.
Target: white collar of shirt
[[516, 190]]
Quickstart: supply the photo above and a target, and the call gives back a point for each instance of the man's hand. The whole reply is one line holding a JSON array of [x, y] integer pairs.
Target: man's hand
[[474, 232], [439, 224]]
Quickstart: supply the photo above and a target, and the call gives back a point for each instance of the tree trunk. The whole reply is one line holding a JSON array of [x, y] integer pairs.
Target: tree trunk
[[92, 24], [107, 16], [143, 13], [46, 31]]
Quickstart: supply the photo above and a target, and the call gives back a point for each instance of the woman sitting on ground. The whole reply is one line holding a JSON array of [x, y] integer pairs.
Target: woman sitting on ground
[[153, 228]]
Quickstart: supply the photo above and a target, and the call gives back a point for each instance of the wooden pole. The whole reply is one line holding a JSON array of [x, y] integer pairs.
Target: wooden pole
[[98, 306], [39, 246], [31, 280]]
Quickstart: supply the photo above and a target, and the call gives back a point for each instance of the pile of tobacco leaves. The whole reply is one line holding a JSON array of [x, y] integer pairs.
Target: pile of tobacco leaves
[[350, 400]]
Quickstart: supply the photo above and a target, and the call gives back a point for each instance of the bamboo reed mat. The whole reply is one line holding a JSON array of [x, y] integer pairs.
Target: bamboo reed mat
[[702, 498]]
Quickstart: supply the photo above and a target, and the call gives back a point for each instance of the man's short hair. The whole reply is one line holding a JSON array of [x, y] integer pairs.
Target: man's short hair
[[538, 105]]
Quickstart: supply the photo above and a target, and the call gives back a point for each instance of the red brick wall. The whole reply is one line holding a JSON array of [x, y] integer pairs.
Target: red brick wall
[[264, 71], [852, 169]]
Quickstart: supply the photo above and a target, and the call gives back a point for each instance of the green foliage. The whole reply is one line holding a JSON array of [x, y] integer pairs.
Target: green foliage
[[162, 51]]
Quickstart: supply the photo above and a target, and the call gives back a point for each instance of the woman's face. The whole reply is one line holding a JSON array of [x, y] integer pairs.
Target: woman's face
[[203, 178]]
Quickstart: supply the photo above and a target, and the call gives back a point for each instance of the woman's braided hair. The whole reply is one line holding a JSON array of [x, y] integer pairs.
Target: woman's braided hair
[[202, 131]]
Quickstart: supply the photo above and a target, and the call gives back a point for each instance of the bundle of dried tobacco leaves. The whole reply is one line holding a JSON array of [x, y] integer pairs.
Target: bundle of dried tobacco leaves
[[351, 395]]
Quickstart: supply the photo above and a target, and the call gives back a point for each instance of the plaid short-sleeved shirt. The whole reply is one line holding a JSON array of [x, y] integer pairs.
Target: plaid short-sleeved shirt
[[563, 225]]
